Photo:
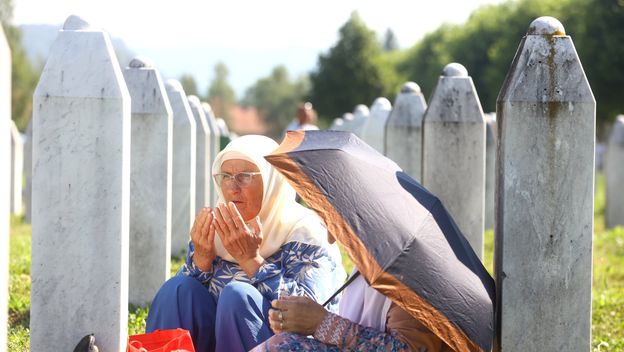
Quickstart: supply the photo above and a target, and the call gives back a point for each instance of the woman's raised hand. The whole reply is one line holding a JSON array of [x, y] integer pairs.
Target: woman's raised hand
[[202, 235], [242, 240], [298, 314]]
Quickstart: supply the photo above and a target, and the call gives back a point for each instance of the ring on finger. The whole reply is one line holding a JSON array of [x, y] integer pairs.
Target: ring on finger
[[280, 316], [281, 325]]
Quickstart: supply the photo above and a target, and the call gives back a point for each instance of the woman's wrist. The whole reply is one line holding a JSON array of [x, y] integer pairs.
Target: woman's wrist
[[201, 262], [251, 265]]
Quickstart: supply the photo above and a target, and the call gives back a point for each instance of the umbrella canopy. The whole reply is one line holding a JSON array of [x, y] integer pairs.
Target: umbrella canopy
[[398, 234]]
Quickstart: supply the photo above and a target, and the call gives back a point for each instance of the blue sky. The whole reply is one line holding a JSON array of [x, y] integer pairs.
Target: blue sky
[[251, 37]]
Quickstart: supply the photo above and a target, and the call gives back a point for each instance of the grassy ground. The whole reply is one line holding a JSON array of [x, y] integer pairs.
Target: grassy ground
[[608, 284]]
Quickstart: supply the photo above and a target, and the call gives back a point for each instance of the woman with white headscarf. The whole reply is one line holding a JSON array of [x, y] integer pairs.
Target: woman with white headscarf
[[256, 243]]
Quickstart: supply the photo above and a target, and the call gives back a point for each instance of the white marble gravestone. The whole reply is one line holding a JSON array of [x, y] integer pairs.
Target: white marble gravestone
[[404, 130], [490, 168], [614, 175], [150, 181], [546, 116], [454, 152], [5, 183], [184, 168], [215, 148], [202, 154], [337, 124], [80, 194], [27, 193], [374, 129], [359, 116], [17, 168]]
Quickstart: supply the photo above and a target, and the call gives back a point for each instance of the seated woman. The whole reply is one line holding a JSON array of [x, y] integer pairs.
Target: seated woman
[[256, 242], [368, 321]]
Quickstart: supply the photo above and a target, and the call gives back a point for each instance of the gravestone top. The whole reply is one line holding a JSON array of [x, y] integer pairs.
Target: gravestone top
[[617, 136], [546, 25], [223, 126], [455, 70], [208, 108], [361, 109], [194, 100], [174, 85], [381, 103], [411, 87], [141, 62], [75, 23]]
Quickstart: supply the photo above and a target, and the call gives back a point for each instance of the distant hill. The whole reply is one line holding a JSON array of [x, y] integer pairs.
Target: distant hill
[[37, 39]]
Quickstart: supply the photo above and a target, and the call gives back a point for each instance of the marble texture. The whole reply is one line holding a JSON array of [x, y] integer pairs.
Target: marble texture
[[80, 194], [5, 183], [403, 138], [150, 181], [215, 147], [614, 175], [454, 152], [202, 154], [184, 168], [490, 168], [546, 116], [374, 129], [27, 193], [17, 169]]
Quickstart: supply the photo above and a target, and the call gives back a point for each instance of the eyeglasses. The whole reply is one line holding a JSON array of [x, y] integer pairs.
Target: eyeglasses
[[243, 179]]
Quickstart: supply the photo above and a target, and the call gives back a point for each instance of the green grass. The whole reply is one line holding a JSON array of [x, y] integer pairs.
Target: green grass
[[607, 287]]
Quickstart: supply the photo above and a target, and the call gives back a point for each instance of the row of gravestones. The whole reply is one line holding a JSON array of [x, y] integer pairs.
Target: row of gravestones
[[543, 140], [85, 193], [120, 165]]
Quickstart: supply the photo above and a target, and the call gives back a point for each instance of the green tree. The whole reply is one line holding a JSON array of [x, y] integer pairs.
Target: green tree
[[487, 43], [276, 97], [24, 78], [352, 72], [220, 94], [189, 84]]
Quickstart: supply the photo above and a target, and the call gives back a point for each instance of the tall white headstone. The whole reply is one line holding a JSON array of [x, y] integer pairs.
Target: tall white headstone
[[202, 154], [81, 183], [17, 168], [359, 116], [337, 124], [490, 168], [150, 181], [184, 168], [27, 194], [215, 148], [546, 116], [374, 129], [454, 151], [404, 130], [614, 175], [5, 183]]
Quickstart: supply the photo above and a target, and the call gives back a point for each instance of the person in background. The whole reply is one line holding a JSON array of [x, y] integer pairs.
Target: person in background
[[306, 119], [256, 243]]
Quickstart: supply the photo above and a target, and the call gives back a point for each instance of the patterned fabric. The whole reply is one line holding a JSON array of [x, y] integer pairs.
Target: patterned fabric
[[300, 269]]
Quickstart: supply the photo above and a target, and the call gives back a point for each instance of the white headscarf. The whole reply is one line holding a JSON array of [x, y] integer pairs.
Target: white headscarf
[[283, 219]]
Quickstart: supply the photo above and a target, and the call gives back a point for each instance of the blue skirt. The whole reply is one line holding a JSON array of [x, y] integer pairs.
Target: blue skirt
[[238, 321]]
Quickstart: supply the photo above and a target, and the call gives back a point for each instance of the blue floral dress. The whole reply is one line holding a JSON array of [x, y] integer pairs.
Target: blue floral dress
[[299, 269]]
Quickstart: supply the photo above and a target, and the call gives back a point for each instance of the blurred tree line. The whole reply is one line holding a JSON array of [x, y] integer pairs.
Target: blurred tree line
[[361, 66], [24, 77]]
